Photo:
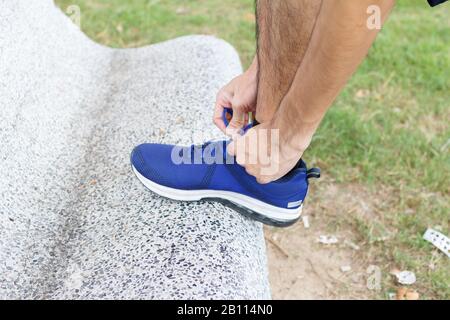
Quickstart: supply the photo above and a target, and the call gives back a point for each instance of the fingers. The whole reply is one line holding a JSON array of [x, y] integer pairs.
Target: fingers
[[237, 121], [237, 149], [217, 118], [265, 179], [228, 97], [223, 101]]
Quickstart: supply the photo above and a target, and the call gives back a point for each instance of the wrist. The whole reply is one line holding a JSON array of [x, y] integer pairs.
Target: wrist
[[295, 133]]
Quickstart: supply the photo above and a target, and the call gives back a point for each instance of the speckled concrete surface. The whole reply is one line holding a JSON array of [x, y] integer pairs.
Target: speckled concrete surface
[[74, 221]]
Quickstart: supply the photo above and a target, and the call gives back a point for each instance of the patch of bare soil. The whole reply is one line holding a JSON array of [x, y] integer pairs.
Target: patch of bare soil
[[301, 267]]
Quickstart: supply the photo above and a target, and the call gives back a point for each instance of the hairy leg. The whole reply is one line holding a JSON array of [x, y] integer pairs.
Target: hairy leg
[[284, 29]]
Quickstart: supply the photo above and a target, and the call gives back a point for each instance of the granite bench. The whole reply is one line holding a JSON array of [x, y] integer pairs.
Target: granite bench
[[74, 221]]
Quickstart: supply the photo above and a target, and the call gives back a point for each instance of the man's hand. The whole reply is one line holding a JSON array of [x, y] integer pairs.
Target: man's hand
[[240, 95], [270, 150]]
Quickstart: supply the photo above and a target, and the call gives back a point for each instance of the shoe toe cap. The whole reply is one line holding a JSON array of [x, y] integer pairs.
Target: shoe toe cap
[[147, 160]]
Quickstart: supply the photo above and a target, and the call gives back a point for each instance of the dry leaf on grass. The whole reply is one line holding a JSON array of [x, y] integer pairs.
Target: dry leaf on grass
[[362, 93], [182, 10], [407, 294], [250, 17]]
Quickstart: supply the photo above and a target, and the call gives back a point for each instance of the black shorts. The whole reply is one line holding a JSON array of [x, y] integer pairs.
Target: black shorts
[[435, 2]]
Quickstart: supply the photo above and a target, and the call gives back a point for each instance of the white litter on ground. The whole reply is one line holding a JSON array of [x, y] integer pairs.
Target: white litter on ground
[[405, 277], [305, 220], [438, 240], [345, 269], [327, 239]]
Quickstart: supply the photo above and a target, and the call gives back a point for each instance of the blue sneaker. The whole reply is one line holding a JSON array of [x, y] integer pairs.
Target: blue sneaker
[[188, 174], [207, 172]]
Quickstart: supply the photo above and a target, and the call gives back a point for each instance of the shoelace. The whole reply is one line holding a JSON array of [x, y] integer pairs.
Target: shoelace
[[312, 173], [198, 149], [225, 120]]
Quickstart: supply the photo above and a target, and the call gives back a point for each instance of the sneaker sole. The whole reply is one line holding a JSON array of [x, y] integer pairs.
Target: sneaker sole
[[247, 206]]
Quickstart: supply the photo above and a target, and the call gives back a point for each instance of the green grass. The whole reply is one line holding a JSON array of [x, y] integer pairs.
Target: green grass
[[136, 23], [388, 128]]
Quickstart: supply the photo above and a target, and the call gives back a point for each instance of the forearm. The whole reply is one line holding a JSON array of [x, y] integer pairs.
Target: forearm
[[340, 41], [284, 29]]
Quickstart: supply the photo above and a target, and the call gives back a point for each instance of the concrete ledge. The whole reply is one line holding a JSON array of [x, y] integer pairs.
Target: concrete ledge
[[74, 221]]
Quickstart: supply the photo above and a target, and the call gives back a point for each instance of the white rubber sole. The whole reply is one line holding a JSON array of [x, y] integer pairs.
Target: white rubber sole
[[259, 210]]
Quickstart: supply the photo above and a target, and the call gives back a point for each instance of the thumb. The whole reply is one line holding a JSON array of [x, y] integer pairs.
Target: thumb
[[237, 122], [236, 148]]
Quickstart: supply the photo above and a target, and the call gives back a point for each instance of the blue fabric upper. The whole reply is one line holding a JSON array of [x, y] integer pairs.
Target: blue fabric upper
[[155, 162]]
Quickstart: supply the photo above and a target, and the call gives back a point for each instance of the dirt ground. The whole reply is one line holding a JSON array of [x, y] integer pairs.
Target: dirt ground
[[301, 267]]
